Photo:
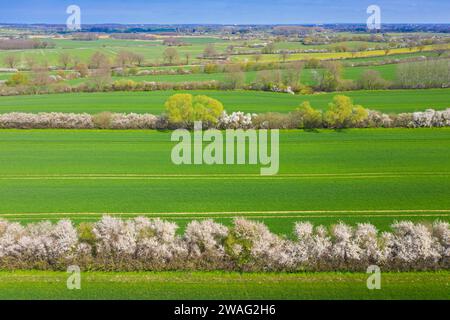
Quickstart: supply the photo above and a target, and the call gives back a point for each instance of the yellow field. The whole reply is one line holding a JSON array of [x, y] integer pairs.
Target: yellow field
[[336, 55]]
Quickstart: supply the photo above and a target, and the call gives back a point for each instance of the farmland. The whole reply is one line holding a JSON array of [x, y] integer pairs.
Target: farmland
[[153, 49], [247, 101], [307, 76], [379, 175], [353, 170], [216, 285]]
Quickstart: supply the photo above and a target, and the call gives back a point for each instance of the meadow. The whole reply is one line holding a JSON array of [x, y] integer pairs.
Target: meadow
[[359, 175], [387, 101], [218, 285]]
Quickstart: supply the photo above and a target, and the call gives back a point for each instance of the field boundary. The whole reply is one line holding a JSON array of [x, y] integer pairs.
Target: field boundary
[[365, 213]]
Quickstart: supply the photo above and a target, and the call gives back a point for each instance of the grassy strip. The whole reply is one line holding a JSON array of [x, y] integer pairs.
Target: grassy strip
[[218, 285], [387, 101]]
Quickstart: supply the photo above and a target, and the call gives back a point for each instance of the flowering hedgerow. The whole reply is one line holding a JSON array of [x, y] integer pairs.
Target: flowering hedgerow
[[235, 120], [154, 244]]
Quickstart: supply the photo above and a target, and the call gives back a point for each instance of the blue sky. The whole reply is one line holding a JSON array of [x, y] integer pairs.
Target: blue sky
[[224, 11]]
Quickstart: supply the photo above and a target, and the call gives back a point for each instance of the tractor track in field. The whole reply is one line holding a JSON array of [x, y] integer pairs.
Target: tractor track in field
[[258, 214], [291, 176]]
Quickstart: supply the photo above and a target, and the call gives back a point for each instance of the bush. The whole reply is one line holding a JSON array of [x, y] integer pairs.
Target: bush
[[236, 120], [102, 120], [184, 109], [308, 118], [342, 113], [17, 79], [275, 120]]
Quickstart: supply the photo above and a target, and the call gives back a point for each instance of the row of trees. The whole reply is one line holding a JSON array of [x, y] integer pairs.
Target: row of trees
[[24, 44], [184, 109]]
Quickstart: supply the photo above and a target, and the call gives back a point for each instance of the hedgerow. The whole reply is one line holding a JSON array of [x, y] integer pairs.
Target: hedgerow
[[301, 118], [153, 244]]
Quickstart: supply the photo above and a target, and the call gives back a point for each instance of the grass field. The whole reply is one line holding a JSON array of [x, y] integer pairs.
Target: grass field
[[229, 286], [248, 101], [376, 175]]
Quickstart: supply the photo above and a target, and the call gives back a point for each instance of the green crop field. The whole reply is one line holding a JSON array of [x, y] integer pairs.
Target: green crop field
[[217, 285], [307, 76], [248, 101], [376, 175]]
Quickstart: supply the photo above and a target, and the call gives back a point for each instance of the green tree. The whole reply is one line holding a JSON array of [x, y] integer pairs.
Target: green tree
[[184, 109], [308, 117], [342, 113]]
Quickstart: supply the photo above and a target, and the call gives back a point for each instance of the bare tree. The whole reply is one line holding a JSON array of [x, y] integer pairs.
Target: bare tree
[[284, 55], [11, 60], [292, 74], [269, 48], [234, 77], [40, 76], [187, 55], [139, 59], [101, 78], [99, 60], [124, 58], [65, 59], [257, 57], [30, 62], [82, 69], [171, 55], [209, 51]]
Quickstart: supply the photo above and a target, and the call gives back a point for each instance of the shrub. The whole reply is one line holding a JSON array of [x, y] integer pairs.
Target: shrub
[[184, 109], [431, 118], [275, 120], [308, 118], [236, 120], [17, 79], [103, 120], [376, 119], [205, 239], [342, 113]]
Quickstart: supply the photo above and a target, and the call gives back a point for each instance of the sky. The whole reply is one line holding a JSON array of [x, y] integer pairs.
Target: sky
[[224, 11]]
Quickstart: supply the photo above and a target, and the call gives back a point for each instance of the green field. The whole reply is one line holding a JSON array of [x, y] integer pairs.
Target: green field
[[248, 101], [376, 175], [307, 76], [216, 285]]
